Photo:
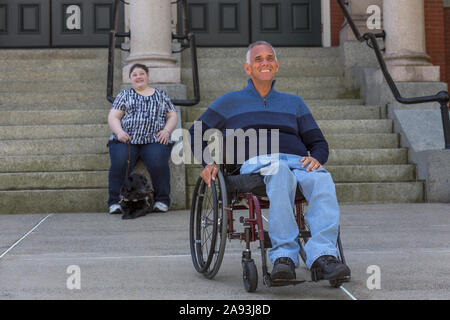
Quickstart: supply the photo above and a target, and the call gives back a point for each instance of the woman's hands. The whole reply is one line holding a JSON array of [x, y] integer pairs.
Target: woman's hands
[[123, 136], [114, 118], [163, 136]]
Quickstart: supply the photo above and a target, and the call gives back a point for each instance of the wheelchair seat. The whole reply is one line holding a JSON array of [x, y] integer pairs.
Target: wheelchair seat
[[251, 183]]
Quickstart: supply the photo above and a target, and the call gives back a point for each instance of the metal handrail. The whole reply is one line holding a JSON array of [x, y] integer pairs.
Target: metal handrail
[[442, 97], [112, 45], [186, 36]]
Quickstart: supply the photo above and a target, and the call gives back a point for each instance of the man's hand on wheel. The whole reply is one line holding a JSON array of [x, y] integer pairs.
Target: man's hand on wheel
[[209, 173]]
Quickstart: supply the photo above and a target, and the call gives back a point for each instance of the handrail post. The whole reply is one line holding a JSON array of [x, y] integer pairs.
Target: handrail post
[[445, 122], [190, 37], [111, 48]]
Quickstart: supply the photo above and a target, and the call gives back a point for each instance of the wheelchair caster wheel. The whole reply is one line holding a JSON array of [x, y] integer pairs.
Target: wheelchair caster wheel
[[249, 275], [336, 283]]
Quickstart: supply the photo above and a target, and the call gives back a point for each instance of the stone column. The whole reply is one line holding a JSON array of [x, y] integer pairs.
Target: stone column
[[358, 11], [151, 41], [151, 25], [406, 58]]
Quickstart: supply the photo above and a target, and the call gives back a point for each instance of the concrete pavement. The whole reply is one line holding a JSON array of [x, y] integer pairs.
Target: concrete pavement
[[47, 256]]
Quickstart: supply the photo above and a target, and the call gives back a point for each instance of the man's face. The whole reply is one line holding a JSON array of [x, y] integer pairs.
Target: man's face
[[262, 66]]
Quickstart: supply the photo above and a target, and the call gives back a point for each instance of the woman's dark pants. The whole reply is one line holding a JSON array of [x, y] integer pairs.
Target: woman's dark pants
[[156, 159]]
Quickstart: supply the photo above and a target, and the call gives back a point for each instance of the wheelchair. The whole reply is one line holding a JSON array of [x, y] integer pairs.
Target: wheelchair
[[212, 224]]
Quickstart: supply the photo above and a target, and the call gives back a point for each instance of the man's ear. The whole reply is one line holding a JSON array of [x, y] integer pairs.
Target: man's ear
[[248, 69]]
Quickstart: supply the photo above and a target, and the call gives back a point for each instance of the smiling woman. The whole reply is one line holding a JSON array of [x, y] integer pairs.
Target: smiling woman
[[141, 119]]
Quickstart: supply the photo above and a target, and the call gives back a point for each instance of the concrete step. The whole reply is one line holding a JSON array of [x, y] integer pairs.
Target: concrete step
[[99, 179], [284, 84], [370, 193], [55, 163], [208, 70], [355, 139], [82, 73], [48, 54], [344, 112], [282, 52], [94, 200], [48, 117], [53, 146], [237, 63], [388, 192], [348, 174], [355, 126], [56, 85], [53, 180], [351, 126], [322, 93], [363, 141], [332, 102], [52, 97], [61, 65], [54, 131], [100, 161], [367, 156], [84, 106], [54, 201]]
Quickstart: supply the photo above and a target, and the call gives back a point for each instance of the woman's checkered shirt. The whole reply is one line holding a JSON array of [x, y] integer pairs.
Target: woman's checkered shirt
[[144, 116]]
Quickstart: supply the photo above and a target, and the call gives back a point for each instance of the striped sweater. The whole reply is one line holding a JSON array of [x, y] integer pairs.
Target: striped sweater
[[246, 109]]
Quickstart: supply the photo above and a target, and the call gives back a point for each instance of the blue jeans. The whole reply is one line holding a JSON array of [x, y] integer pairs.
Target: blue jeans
[[156, 159], [323, 210]]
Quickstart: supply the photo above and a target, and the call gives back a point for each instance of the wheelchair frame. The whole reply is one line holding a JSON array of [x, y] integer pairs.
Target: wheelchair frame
[[212, 223]]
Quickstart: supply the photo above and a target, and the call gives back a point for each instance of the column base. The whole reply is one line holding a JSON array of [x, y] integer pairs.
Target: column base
[[413, 73]]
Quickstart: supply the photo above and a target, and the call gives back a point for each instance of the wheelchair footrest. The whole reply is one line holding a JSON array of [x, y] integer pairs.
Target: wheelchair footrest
[[281, 282]]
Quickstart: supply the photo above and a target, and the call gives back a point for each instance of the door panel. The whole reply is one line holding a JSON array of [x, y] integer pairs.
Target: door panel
[[24, 23], [83, 22], [238, 23], [57, 23], [287, 22], [219, 22]]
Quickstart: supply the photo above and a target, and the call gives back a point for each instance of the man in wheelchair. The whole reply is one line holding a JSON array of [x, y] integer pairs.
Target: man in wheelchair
[[302, 151]]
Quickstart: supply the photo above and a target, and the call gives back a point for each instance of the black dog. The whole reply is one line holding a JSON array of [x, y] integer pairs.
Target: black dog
[[136, 196]]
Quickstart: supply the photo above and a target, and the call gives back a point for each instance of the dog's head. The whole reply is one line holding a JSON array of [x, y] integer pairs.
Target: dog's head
[[135, 188]]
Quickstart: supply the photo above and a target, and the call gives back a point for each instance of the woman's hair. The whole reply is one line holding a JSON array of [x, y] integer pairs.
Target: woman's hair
[[140, 66]]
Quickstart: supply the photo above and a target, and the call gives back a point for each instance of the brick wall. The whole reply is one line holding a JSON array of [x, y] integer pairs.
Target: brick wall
[[447, 43], [435, 35], [336, 21]]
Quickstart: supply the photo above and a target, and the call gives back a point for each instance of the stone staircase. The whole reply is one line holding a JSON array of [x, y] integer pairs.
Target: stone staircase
[[53, 130], [366, 162]]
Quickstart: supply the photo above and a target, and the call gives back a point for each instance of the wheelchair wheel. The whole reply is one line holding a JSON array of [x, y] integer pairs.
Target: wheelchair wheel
[[208, 226], [249, 275], [341, 258]]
